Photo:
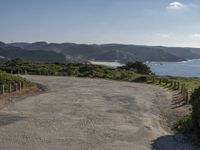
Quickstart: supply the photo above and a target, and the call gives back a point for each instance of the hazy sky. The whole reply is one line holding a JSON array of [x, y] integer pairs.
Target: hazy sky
[[149, 22]]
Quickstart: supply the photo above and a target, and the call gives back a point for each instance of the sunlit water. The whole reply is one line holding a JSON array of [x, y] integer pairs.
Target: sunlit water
[[190, 68]]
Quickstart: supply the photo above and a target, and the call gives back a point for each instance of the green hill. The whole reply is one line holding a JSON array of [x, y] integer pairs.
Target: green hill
[[71, 52]]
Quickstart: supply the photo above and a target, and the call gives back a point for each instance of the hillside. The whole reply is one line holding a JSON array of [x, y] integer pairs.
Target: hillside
[[71, 52], [186, 53], [10, 52]]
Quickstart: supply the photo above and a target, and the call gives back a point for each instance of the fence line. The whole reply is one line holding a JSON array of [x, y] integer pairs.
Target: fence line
[[161, 81], [11, 87], [176, 85]]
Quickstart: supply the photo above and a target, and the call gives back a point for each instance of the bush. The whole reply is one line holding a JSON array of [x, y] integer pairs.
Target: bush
[[184, 124], [195, 102], [141, 79], [138, 67], [71, 69], [191, 123]]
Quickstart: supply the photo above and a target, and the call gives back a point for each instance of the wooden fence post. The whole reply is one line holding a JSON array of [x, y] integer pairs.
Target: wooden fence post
[[186, 97], [163, 81], [166, 81], [171, 83], [20, 86], [2, 89], [153, 79], [183, 94], [178, 85], [174, 84], [10, 87], [181, 88], [160, 81]]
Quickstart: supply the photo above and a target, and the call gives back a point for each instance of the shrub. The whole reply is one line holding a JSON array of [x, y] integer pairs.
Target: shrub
[[71, 69], [138, 67], [141, 79], [195, 102], [184, 124], [191, 123]]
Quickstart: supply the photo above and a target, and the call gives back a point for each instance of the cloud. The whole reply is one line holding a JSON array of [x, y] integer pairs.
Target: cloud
[[176, 6], [195, 36], [161, 35]]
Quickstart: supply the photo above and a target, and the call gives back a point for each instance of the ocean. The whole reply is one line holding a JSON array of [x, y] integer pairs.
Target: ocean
[[190, 68]]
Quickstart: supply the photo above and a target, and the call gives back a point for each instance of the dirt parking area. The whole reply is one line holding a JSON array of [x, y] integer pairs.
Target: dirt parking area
[[88, 114]]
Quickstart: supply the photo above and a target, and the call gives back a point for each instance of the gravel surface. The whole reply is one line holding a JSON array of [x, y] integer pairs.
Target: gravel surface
[[90, 114]]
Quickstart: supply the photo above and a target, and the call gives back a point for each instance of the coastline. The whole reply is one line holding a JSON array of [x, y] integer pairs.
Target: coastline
[[189, 68]]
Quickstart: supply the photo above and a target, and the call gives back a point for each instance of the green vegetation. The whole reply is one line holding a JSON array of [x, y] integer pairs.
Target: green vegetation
[[8, 79], [190, 123], [133, 71], [195, 102], [10, 52], [97, 71], [78, 70], [191, 83], [19, 66], [71, 52], [137, 67], [184, 124]]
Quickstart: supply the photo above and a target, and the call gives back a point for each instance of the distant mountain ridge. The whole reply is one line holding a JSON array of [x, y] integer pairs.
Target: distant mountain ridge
[[71, 52], [10, 52]]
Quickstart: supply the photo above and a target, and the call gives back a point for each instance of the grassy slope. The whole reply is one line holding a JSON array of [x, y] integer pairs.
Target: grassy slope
[[6, 79], [78, 70], [191, 83]]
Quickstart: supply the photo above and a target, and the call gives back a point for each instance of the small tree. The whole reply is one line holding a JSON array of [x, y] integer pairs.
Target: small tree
[[138, 67]]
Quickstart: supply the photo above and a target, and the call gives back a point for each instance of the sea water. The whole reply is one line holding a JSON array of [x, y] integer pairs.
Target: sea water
[[190, 68]]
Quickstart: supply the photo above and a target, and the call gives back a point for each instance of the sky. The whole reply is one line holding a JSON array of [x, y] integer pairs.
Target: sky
[[141, 22]]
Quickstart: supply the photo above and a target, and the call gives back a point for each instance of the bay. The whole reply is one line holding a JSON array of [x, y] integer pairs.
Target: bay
[[190, 68]]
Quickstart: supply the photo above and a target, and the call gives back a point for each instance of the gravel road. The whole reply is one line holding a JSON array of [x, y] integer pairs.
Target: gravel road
[[87, 114]]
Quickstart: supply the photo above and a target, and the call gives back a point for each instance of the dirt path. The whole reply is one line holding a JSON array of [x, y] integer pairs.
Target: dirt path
[[87, 114]]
